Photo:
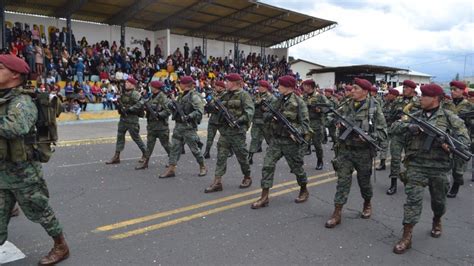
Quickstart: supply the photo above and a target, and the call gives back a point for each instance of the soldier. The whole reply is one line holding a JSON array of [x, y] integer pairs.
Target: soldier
[[459, 105], [130, 107], [470, 97], [21, 173], [213, 123], [157, 114], [427, 167], [294, 109], [316, 119], [387, 106], [329, 93], [409, 102], [259, 129], [185, 130], [353, 153], [239, 104]]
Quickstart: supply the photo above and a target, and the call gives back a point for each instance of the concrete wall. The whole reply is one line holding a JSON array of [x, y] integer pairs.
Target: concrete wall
[[303, 68], [325, 80]]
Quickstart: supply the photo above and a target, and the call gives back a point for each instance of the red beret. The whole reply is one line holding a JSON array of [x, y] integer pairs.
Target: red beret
[[470, 93], [186, 80], [265, 84], [233, 77], [431, 90], [348, 88], [393, 92], [374, 89], [363, 83], [220, 83], [132, 80], [287, 81], [309, 82], [458, 84], [14, 63], [465, 94], [329, 90], [157, 84], [409, 83]]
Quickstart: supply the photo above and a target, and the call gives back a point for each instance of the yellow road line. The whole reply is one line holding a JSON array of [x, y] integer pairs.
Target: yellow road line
[[195, 206], [208, 212]]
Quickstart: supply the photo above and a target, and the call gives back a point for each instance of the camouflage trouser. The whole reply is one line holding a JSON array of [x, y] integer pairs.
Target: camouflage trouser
[[332, 132], [235, 143], [134, 130], [396, 148], [418, 179], [258, 133], [211, 134], [293, 154], [162, 135], [317, 140], [181, 137], [33, 201], [349, 159], [459, 167], [384, 145]]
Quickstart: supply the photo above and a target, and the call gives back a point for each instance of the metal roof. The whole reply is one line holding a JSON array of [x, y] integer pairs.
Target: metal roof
[[250, 22]]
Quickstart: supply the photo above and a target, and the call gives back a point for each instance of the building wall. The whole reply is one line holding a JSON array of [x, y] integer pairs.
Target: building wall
[[303, 68], [325, 80], [419, 80]]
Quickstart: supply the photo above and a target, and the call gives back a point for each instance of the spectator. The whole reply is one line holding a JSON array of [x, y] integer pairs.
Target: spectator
[[87, 92], [69, 90], [147, 47], [39, 58], [76, 109], [81, 98], [97, 92], [80, 70]]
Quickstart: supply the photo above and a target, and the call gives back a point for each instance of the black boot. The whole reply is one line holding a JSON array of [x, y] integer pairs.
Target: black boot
[[250, 157], [206, 154], [308, 151], [182, 150], [259, 149], [319, 165], [393, 186], [381, 165], [231, 153], [453, 191]]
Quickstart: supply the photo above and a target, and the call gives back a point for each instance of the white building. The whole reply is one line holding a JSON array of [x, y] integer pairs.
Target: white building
[[302, 67]]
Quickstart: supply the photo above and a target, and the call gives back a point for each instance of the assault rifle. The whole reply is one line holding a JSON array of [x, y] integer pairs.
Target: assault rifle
[[178, 113], [466, 115], [229, 118], [282, 119], [150, 111], [120, 108], [433, 133]]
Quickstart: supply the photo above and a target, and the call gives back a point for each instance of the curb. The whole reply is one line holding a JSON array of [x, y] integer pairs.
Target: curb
[[102, 115]]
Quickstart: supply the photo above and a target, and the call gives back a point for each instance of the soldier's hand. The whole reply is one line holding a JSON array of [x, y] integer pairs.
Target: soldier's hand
[[446, 147], [338, 125], [414, 129], [317, 110]]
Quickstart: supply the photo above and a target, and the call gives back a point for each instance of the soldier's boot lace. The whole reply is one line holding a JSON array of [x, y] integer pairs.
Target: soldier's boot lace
[[115, 159], [215, 186], [304, 194], [436, 228], [367, 210], [170, 172], [381, 166], [335, 218], [59, 252], [246, 182], [453, 191], [405, 243], [202, 170], [393, 186], [262, 201]]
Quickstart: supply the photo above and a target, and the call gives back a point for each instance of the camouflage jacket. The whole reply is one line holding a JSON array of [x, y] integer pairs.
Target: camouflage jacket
[[214, 118], [259, 110], [388, 112], [316, 119], [239, 103], [159, 105], [193, 106], [132, 103]]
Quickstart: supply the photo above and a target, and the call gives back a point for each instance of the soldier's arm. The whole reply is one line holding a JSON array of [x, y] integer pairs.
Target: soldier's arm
[[138, 103], [380, 124], [459, 130], [198, 107], [248, 107], [165, 110], [303, 115], [20, 118]]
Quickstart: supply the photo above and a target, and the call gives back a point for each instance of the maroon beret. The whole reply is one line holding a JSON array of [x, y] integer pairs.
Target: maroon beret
[[132, 80], [287, 81], [409, 83], [157, 84], [14, 63], [233, 77], [470, 93], [458, 84], [186, 80], [264, 83], [348, 88], [309, 82], [329, 90], [220, 83], [363, 83], [393, 92], [374, 89], [431, 90]]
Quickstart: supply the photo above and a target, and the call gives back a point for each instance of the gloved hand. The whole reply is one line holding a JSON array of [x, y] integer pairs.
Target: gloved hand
[[414, 129]]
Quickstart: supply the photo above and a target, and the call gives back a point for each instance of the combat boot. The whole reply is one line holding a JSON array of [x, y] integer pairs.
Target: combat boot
[[246, 182], [259, 149], [335, 218], [453, 191], [319, 165], [59, 252], [367, 211], [262, 201], [115, 159], [436, 228], [170, 172], [215, 186], [15, 211], [304, 194], [250, 158], [405, 242], [143, 165], [206, 154], [143, 158], [308, 151], [202, 170], [183, 151], [381, 165], [393, 186]]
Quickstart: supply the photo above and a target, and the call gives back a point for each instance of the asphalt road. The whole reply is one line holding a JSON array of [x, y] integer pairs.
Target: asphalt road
[[114, 215]]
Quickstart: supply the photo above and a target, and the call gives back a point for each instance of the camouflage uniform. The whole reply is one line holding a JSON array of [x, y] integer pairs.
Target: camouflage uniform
[[158, 128], [296, 111], [330, 124], [259, 129], [316, 121], [213, 122], [239, 104], [21, 176], [356, 154], [132, 105], [387, 108]]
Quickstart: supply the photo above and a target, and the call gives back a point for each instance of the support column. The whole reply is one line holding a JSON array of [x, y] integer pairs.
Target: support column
[[2, 21], [68, 29], [204, 46], [236, 53], [262, 53], [122, 35]]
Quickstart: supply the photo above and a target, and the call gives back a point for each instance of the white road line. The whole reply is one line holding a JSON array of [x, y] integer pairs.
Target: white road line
[[103, 162], [9, 252]]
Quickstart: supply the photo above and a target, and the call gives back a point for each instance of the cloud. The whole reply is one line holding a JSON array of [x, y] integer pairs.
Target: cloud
[[416, 34]]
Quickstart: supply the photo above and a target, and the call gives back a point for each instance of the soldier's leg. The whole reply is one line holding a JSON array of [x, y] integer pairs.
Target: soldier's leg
[[294, 157], [459, 167], [191, 138], [33, 201], [223, 149], [273, 154], [344, 167], [318, 142], [121, 130], [177, 142], [7, 201], [414, 190], [257, 137], [438, 186], [332, 132], [164, 137], [363, 166], [150, 142], [239, 147], [134, 130], [396, 148], [267, 134], [211, 134]]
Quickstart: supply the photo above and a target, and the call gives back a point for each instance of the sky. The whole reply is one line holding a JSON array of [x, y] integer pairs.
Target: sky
[[430, 36]]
